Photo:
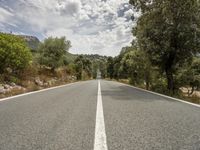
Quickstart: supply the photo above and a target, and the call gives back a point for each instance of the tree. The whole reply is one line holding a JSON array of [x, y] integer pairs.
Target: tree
[[117, 74], [138, 67], [102, 68], [14, 53], [110, 67], [53, 52], [120, 68], [79, 67], [120, 71], [83, 67], [169, 32], [190, 76]]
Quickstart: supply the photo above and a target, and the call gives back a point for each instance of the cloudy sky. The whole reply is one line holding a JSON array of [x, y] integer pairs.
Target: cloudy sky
[[93, 26]]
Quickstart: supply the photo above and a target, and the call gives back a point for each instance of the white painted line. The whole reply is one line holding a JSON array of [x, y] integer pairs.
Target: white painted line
[[100, 142], [172, 98], [29, 93]]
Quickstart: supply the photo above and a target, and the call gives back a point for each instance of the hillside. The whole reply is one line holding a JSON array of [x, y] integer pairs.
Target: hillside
[[94, 57], [32, 41]]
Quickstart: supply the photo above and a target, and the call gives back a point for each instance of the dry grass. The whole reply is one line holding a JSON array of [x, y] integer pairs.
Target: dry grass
[[12, 93], [28, 77], [194, 98]]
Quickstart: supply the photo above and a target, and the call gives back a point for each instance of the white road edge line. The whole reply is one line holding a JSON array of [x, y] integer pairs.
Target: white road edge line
[[172, 98], [100, 142], [29, 93]]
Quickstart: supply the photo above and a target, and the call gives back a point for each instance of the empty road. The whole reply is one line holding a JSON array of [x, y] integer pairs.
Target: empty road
[[98, 115]]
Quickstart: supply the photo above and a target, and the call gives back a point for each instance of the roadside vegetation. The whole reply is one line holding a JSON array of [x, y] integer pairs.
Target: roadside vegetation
[[24, 69], [165, 56]]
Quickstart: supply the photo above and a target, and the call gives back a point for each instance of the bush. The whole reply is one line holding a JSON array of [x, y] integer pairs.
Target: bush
[[160, 86], [53, 51], [15, 80], [30, 72], [14, 54]]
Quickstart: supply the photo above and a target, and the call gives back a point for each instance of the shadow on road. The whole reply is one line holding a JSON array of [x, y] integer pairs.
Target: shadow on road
[[124, 93]]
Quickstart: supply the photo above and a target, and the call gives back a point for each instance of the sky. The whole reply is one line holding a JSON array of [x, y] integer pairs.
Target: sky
[[93, 26]]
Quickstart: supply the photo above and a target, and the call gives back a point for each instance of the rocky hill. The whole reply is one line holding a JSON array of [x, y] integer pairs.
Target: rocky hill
[[32, 41]]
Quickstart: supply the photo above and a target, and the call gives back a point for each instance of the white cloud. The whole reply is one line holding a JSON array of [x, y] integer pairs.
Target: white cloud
[[93, 26], [129, 13], [5, 15], [70, 7]]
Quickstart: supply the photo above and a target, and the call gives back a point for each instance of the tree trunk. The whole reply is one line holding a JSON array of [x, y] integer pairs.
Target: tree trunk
[[53, 70], [147, 81], [169, 69], [170, 81], [192, 90], [147, 85]]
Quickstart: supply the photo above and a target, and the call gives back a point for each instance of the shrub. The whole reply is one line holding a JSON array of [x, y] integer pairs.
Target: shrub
[[53, 51], [14, 54]]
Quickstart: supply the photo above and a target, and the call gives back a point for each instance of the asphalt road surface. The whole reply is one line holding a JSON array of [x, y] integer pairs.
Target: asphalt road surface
[[98, 115]]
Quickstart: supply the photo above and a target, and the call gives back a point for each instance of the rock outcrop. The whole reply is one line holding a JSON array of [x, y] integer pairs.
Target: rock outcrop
[[32, 41]]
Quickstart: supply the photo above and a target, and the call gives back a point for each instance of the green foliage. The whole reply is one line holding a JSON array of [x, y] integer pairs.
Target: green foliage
[[102, 68], [69, 58], [95, 67], [138, 67], [169, 32], [14, 79], [132, 64], [190, 75], [160, 85], [86, 66], [110, 67], [14, 54], [83, 67], [53, 52], [119, 72], [98, 63], [71, 69]]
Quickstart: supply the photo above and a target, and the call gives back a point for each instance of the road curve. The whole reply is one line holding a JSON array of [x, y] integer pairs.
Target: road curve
[[65, 119]]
